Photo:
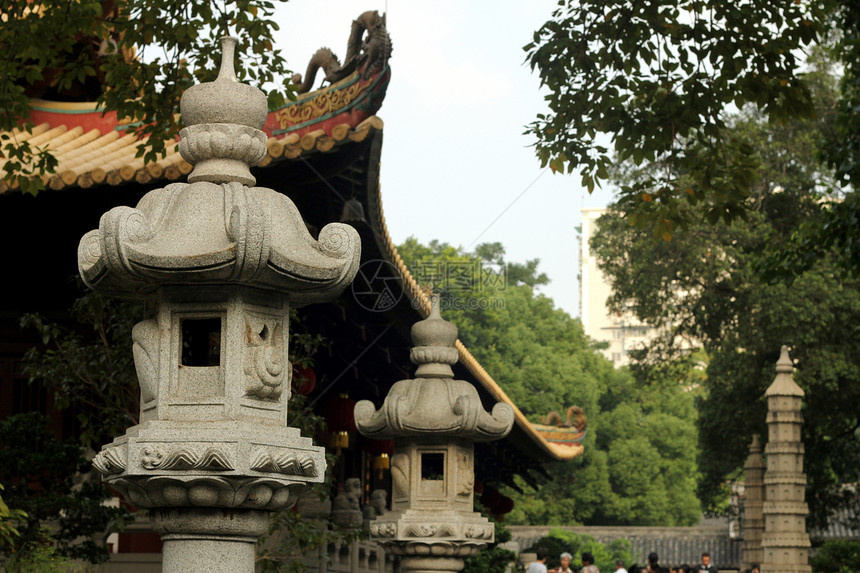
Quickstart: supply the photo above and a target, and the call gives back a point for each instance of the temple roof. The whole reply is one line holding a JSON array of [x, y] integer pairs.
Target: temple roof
[[92, 148], [336, 122]]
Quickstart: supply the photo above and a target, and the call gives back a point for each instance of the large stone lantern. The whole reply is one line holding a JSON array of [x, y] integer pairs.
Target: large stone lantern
[[220, 262], [434, 421]]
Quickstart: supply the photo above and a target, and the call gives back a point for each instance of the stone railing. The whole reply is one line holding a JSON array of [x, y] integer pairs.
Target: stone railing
[[356, 557]]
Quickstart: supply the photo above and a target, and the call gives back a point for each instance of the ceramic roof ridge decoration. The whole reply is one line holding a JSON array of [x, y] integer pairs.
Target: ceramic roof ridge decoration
[[433, 402], [217, 228]]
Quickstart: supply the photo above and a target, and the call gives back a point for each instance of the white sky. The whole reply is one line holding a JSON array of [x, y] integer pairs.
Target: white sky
[[454, 156]]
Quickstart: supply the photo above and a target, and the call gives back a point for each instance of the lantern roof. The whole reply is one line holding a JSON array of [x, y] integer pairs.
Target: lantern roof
[[434, 403], [216, 229]]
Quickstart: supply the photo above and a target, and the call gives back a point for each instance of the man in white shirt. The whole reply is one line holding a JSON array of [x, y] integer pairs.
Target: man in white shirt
[[539, 565], [619, 566], [706, 566]]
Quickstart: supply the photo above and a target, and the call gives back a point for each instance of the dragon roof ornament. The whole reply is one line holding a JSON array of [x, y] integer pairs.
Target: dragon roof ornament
[[367, 52]]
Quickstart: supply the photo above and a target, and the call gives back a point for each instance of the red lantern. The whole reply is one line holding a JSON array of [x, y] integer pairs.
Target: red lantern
[[304, 379], [491, 497], [504, 506], [339, 414], [377, 447]]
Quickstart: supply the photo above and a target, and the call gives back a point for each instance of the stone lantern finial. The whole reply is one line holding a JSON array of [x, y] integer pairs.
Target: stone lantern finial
[[434, 421], [433, 339], [223, 119], [220, 263]]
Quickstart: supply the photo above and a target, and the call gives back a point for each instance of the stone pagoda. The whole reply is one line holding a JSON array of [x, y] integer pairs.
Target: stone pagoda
[[753, 520], [219, 263], [434, 421], [785, 544]]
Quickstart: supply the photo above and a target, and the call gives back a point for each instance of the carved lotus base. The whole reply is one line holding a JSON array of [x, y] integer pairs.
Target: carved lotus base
[[239, 465], [207, 492], [222, 152]]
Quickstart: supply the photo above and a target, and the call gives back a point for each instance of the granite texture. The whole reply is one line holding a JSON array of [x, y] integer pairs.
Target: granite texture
[[434, 421], [219, 263]]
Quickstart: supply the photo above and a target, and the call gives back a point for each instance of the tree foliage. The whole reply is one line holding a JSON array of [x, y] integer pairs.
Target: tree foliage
[[135, 57], [51, 482], [657, 78], [542, 359], [559, 541], [837, 556], [88, 365], [707, 288]]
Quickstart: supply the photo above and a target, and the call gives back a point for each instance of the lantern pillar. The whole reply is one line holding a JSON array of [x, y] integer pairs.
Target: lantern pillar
[[220, 263], [434, 421]]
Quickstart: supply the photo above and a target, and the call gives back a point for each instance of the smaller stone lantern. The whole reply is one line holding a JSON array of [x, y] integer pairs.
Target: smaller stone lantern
[[434, 421]]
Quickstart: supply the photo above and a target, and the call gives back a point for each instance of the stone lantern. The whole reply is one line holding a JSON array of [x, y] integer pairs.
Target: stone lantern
[[220, 263], [434, 421]]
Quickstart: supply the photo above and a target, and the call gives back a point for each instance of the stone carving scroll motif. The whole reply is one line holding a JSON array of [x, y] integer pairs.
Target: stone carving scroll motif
[[266, 366], [383, 529], [465, 475], [478, 532], [145, 350], [208, 491], [430, 530], [111, 461], [285, 462], [400, 475], [184, 458]]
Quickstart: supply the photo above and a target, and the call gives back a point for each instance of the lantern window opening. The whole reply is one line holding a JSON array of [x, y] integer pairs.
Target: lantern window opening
[[201, 342], [432, 466]]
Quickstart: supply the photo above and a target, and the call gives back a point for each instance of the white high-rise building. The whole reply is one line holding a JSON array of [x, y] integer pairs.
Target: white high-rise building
[[621, 330]]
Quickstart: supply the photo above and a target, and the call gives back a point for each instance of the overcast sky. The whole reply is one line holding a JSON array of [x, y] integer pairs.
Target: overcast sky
[[455, 164]]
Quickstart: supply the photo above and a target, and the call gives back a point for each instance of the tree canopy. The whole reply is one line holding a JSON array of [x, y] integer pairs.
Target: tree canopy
[[714, 286], [655, 84], [639, 462], [135, 57]]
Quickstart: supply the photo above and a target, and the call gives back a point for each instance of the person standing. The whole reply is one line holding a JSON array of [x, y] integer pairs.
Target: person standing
[[588, 563], [706, 566], [539, 564], [654, 565], [565, 559], [619, 566]]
